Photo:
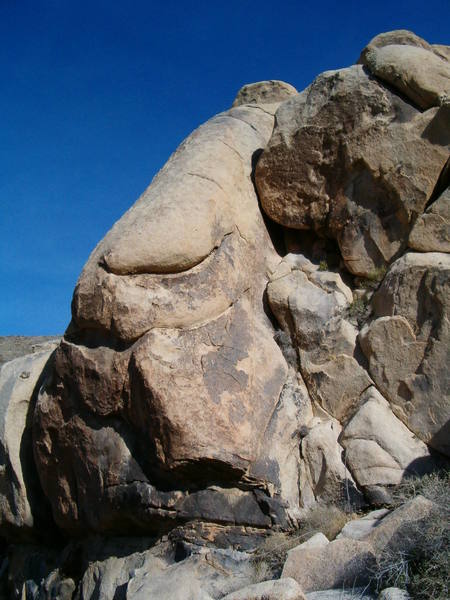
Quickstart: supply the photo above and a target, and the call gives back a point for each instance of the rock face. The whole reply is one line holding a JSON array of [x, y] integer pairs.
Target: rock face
[[339, 564], [380, 449], [20, 497], [264, 92], [410, 65], [431, 232], [407, 344], [351, 159], [226, 372], [280, 589], [13, 346], [154, 386], [420, 75]]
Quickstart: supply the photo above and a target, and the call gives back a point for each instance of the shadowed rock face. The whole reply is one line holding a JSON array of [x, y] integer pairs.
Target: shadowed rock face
[[169, 375]]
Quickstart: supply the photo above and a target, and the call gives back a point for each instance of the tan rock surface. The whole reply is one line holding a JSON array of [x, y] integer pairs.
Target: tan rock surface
[[408, 350], [169, 375], [339, 564], [350, 157], [264, 92], [21, 500], [402, 528], [285, 588], [336, 384], [417, 73], [324, 471], [431, 231], [380, 449], [303, 307], [399, 37]]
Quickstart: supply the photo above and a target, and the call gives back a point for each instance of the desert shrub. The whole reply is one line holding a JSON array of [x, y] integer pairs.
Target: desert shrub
[[323, 265], [424, 570], [372, 280], [271, 555], [329, 519], [359, 310], [433, 486]]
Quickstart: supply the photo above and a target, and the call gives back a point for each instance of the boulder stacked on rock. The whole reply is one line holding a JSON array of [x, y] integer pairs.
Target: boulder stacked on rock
[[264, 332]]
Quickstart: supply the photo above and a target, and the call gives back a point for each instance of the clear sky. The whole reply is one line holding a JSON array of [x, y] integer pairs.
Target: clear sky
[[96, 94]]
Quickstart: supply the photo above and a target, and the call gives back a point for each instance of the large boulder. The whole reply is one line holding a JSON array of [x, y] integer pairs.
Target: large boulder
[[339, 564], [264, 92], [407, 344], [277, 589], [431, 231], [22, 502], [324, 475], [379, 448], [203, 576], [418, 73], [351, 159], [310, 305], [165, 387], [399, 37]]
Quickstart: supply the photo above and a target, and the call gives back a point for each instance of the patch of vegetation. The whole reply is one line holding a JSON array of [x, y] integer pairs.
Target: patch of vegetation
[[271, 555], [359, 309], [323, 266], [377, 274], [425, 570], [373, 279]]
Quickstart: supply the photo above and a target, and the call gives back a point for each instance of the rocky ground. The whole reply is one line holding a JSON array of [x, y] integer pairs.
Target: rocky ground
[[256, 362], [13, 346]]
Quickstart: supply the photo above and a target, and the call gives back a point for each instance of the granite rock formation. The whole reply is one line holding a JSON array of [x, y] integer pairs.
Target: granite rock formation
[[264, 331]]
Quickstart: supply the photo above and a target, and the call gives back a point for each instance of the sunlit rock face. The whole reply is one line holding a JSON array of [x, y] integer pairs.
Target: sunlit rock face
[[237, 358], [223, 363], [169, 377], [351, 159]]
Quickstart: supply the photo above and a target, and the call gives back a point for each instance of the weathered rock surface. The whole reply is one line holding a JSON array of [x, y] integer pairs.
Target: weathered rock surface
[[422, 76], [380, 449], [407, 345], [278, 589], [280, 445], [21, 500], [358, 529], [339, 564], [342, 594], [154, 385], [310, 306], [214, 388], [403, 528], [398, 37], [349, 157], [111, 567], [394, 593], [13, 346], [431, 232], [199, 577], [303, 302], [264, 92], [349, 560], [34, 574], [325, 476]]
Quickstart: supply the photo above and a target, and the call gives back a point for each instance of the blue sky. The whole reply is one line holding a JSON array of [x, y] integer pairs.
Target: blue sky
[[96, 95]]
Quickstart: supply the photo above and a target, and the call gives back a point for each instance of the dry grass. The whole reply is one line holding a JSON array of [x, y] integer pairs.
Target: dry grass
[[271, 555], [424, 571]]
